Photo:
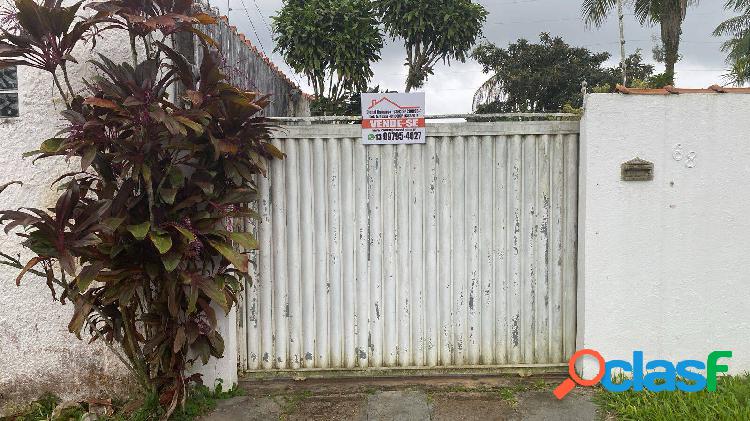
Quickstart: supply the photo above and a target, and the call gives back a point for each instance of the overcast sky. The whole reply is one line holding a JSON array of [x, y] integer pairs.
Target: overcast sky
[[451, 89]]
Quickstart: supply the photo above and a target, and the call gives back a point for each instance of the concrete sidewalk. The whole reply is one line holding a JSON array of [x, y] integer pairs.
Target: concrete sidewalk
[[407, 399]]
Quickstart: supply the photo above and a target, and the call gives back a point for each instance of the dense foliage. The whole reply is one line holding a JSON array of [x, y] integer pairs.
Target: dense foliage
[[137, 240], [331, 42], [334, 42], [432, 30], [668, 14], [738, 46], [636, 70], [348, 105], [544, 77]]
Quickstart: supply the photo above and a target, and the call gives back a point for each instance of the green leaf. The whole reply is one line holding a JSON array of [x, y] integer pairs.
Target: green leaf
[[273, 150], [176, 177], [197, 128], [213, 291], [139, 231], [87, 275], [51, 145], [171, 260], [217, 343], [146, 172], [185, 233], [238, 260], [202, 348], [167, 195], [161, 239], [192, 299], [245, 239]]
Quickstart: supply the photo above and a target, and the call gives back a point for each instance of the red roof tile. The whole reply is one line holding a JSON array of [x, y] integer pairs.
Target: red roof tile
[[244, 39]]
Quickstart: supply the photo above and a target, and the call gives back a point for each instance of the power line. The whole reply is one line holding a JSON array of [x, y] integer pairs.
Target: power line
[[257, 36], [252, 25], [270, 32]]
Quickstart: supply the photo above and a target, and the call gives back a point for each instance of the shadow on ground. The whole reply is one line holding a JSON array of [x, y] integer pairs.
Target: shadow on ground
[[486, 398]]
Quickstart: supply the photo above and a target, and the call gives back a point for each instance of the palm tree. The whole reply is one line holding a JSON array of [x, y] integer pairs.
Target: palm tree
[[739, 72], [738, 46], [669, 14]]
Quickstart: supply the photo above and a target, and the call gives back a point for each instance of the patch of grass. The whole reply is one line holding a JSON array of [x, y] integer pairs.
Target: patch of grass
[[200, 401], [40, 409], [539, 385], [508, 394], [731, 401], [293, 400], [464, 389], [369, 391], [505, 393]]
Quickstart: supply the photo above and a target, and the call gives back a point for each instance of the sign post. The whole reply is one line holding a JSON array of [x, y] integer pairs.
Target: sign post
[[393, 118]]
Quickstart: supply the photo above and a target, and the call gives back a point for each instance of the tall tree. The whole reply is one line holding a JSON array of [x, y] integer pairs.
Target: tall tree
[[668, 14], [635, 69], [432, 30], [738, 46], [331, 42], [546, 76]]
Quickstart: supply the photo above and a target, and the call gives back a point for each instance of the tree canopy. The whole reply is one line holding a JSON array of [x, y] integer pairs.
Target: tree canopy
[[432, 30], [331, 42], [738, 46], [637, 71], [668, 14], [546, 76]]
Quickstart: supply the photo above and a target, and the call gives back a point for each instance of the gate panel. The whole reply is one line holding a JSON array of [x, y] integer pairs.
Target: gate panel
[[459, 252]]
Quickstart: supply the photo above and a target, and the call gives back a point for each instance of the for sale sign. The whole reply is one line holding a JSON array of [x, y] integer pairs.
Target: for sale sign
[[392, 118]]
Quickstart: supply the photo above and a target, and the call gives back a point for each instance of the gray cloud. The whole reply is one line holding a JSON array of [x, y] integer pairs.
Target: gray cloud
[[451, 89]]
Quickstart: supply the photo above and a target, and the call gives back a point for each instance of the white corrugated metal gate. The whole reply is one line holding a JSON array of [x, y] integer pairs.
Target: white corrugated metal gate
[[460, 252]]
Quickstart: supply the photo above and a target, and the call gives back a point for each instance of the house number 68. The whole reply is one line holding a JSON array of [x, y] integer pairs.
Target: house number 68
[[678, 155]]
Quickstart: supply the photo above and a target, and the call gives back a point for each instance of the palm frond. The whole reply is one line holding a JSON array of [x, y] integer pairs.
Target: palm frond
[[738, 73], [737, 5], [595, 12], [491, 90], [733, 26]]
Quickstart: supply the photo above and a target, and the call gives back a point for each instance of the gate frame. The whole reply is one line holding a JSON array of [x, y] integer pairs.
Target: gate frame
[[473, 125]]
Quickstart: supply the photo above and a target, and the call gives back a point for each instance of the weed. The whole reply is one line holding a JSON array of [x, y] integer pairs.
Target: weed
[[508, 394], [430, 398], [293, 400], [40, 409], [200, 400], [369, 391]]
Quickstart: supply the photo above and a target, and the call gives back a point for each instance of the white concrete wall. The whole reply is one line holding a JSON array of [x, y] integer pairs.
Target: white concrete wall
[[37, 354], [663, 263]]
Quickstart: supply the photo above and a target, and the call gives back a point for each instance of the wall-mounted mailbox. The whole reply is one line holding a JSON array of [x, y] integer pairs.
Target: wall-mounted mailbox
[[637, 170]]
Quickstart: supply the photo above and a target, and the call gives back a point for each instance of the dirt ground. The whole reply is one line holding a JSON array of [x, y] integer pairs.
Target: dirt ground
[[444, 398]]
